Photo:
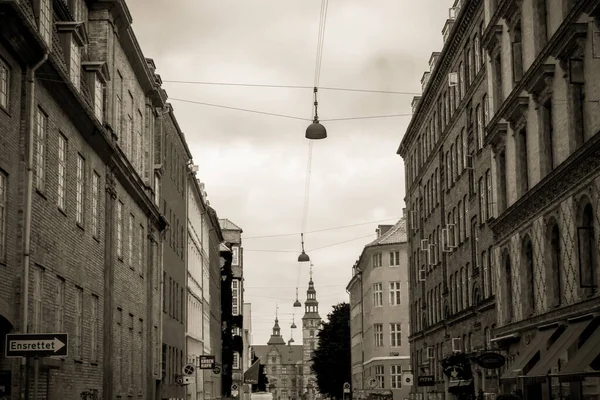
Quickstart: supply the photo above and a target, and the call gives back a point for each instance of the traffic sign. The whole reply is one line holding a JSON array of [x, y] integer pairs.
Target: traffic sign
[[37, 345], [217, 370], [234, 387], [373, 383], [346, 385], [207, 362]]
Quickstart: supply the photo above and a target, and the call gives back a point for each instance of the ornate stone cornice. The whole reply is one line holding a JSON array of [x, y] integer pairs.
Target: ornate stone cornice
[[495, 136], [491, 37], [510, 10], [539, 83], [516, 111], [541, 58], [573, 44], [100, 67], [557, 184]]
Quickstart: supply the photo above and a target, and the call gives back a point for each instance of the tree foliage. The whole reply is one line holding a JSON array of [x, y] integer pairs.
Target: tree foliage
[[331, 360], [263, 381]]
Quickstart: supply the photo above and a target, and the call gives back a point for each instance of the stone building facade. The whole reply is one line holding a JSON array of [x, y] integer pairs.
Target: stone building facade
[[379, 312], [544, 140], [449, 199]]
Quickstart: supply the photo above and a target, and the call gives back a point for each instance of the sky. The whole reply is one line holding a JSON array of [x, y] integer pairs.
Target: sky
[[254, 165]]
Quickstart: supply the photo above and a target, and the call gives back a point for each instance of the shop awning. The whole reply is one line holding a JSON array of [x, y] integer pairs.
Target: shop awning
[[550, 358], [540, 340], [578, 366]]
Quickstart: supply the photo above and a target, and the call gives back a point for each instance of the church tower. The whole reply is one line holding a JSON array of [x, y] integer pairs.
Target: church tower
[[276, 337], [311, 322]]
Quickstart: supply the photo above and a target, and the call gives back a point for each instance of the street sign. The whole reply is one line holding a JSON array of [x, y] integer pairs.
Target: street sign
[[189, 369], [37, 345], [407, 379], [207, 362], [234, 387], [373, 383], [217, 370], [346, 387]]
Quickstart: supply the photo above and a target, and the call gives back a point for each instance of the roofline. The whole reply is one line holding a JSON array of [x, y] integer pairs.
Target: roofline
[[179, 131], [196, 188], [436, 79], [353, 280], [215, 222]]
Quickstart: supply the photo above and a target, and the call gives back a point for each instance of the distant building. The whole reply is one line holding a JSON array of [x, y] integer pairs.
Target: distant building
[[198, 287], [283, 365], [289, 367], [379, 313], [232, 236], [247, 338]]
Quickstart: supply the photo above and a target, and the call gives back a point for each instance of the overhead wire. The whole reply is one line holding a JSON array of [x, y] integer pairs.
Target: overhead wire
[[309, 250], [323, 230]]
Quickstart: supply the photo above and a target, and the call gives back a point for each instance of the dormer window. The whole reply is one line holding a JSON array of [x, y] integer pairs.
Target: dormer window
[[45, 21], [75, 64]]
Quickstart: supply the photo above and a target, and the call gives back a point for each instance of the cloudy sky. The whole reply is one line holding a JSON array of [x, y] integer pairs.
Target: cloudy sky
[[254, 166]]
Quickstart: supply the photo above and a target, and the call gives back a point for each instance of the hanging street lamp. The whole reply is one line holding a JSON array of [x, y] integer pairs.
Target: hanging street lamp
[[316, 131]]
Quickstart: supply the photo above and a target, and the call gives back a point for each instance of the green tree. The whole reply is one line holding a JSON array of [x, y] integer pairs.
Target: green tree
[[331, 360], [263, 381]]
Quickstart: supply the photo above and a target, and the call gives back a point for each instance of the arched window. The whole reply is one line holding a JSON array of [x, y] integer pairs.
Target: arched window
[[555, 272], [588, 255], [508, 289], [529, 275], [464, 291]]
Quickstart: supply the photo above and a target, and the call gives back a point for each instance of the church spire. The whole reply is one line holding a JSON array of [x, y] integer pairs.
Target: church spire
[[311, 305], [276, 337]]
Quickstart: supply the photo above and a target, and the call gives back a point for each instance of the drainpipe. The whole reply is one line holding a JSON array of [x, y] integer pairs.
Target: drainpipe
[[30, 104]]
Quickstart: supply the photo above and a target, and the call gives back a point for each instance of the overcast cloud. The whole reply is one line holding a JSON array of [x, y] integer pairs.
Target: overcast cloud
[[254, 165]]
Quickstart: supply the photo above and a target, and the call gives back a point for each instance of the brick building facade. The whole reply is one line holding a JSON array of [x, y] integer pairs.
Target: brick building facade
[[448, 183], [89, 153], [544, 141]]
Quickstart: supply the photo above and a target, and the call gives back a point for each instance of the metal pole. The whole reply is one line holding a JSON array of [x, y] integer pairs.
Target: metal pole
[[36, 376]]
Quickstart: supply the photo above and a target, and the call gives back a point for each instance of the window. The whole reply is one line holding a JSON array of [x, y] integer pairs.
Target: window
[[394, 258], [139, 162], [461, 81], [142, 352], [377, 295], [41, 127], [486, 109], [95, 317], [38, 291], [99, 98], [548, 129], [156, 189], [517, 52], [235, 301], [396, 376], [3, 213], [477, 49], [120, 230], [395, 294], [236, 360], [489, 194], [78, 342], [588, 259], [141, 249], [469, 68], [59, 306], [119, 349], [80, 189], [556, 264], [62, 172], [508, 290], [378, 334], [482, 203], [95, 203], [4, 84], [479, 126], [484, 274], [395, 334], [132, 352], [157, 355], [130, 240], [377, 260], [45, 21], [380, 375], [118, 115], [492, 271], [75, 64]]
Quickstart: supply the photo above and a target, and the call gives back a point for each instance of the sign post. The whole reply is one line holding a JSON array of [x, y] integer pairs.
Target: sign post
[[36, 345], [207, 362]]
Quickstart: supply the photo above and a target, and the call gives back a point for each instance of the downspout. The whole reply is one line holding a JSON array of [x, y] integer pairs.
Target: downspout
[[30, 103], [362, 330]]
